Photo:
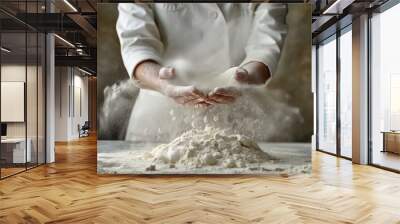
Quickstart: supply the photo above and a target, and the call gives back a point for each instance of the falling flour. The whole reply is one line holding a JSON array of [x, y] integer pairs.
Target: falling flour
[[210, 146]]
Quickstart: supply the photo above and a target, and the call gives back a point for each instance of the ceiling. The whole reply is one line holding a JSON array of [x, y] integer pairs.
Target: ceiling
[[330, 16], [76, 22]]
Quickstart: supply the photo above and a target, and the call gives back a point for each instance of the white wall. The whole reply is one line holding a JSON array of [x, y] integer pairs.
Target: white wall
[[61, 103], [79, 117], [70, 81]]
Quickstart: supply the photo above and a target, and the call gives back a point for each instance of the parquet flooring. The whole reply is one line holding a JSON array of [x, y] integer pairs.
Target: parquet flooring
[[70, 191], [11, 170]]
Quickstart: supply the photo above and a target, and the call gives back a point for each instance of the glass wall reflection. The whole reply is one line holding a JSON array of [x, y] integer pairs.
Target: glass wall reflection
[[22, 91]]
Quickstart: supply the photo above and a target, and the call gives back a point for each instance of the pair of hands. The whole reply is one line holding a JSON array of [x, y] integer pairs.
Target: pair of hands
[[190, 95], [255, 73], [151, 75]]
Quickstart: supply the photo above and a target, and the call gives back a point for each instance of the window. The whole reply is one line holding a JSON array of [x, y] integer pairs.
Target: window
[[385, 89], [335, 137], [327, 95], [346, 92]]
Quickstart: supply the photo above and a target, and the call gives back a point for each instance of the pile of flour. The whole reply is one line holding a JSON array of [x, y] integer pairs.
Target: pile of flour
[[210, 146]]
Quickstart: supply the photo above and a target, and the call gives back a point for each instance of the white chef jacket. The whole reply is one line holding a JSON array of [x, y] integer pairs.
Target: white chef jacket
[[211, 37], [239, 32]]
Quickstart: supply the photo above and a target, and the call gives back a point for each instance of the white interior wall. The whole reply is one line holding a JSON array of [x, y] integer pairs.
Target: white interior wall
[[61, 103], [81, 82], [68, 82]]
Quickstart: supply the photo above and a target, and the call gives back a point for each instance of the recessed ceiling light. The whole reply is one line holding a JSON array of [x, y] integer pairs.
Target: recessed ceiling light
[[84, 71], [337, 7], [70, 5], [64, 40], [5, 50]]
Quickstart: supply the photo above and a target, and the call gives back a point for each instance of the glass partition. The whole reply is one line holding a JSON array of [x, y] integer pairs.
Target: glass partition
[[22, 90], [15, 151]]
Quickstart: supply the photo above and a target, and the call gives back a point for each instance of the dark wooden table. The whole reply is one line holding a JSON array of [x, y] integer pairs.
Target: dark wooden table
[[391, 141]]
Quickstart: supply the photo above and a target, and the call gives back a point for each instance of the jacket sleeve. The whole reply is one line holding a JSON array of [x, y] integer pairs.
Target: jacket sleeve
[[267, 35], [138, 34]]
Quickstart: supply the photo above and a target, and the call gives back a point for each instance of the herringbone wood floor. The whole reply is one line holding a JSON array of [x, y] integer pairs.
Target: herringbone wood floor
[[70, 191]]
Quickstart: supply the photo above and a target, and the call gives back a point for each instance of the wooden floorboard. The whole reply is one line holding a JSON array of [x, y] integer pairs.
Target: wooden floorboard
[[70, 191]]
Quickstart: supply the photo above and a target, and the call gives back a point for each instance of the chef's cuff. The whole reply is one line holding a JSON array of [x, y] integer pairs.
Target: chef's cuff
[[269, 61], [131, 62]]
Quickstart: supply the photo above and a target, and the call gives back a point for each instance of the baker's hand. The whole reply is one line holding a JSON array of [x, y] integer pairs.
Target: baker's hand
[[227, 94], [253, 73], [185, 95], [223, 95]]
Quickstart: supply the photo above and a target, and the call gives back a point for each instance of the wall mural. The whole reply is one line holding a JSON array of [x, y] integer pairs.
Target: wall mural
[[210, 88]]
